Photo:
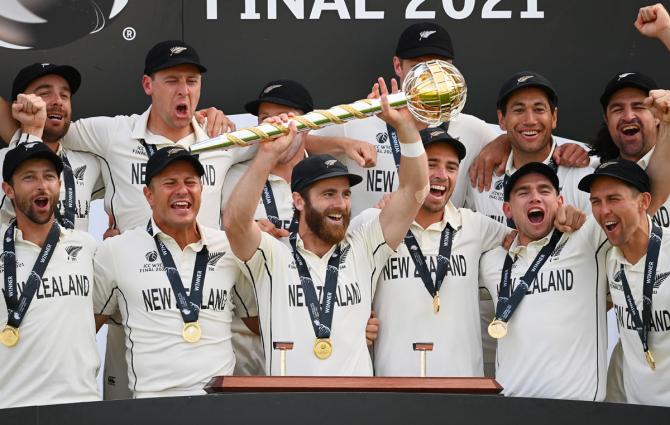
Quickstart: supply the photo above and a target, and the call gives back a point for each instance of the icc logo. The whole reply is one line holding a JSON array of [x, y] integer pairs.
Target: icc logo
[[43, 24]]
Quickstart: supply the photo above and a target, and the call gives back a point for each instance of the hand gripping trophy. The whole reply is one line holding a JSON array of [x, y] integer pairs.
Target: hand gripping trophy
[[434, 91]]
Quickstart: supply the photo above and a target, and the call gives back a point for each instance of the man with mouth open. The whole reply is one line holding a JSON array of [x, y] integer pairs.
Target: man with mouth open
[[550, 288], [47, 335], [637, 268], [325, 269], [81, 181], [172, 279]]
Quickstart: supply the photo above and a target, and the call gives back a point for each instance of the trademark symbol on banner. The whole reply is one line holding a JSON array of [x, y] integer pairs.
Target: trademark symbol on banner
[[129, 33]]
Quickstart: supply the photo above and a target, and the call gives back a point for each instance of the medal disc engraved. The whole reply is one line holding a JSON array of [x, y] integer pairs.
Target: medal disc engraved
[[191, 332], [323, 348], [9, 336], [497, 329], [650, 360], [436, 304]]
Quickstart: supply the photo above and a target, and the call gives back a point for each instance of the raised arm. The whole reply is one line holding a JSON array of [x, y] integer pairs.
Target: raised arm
[[363, 153], [658, 170], [7, 124], [654, 22], [30, 111], [243, 233], [413, 187]]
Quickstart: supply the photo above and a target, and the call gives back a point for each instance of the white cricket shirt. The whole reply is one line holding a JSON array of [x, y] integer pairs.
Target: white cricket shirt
[[117, 142], [405, 308], [88, 184], [642, 385], [383, 178], [129, 276], [490, 202], [556, 345], [56, 359], [283, 312]]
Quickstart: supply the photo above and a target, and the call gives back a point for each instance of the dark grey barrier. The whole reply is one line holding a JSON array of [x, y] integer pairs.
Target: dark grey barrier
[[337, 408]]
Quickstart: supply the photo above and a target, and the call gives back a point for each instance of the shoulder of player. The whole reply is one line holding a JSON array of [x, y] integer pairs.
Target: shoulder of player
[[469, 123], [492, 260]]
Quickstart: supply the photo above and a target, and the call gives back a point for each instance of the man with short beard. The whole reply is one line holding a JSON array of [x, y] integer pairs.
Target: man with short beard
[[325, 268], [47, 335], [81, 180]]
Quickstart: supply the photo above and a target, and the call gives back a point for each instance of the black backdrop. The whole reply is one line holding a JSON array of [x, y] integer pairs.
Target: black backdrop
[[578, 44]]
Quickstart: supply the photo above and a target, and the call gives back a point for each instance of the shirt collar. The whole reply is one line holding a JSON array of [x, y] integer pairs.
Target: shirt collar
[[516, 249], [140, 130], [644, 161], [451, 216], [195, 246], [301, 247], [18, 234], [509, 167], [15, 141]]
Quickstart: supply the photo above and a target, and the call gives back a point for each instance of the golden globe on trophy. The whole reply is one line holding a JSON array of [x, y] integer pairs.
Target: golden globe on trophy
[[433, 91]]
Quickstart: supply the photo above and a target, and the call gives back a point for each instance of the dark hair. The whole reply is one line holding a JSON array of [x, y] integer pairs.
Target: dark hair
[[603, 145]]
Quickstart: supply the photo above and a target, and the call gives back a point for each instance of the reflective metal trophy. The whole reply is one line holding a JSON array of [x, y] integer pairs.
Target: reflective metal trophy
[[434, 91]]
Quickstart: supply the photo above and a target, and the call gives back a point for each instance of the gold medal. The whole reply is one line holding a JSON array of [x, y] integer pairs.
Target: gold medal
[[191, 332], [497, 329], [650, 360], [9, 336], [436, 303], [323, 348]]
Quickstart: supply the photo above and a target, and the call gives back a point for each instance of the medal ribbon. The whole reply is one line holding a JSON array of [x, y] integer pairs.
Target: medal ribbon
[[443, 257], [320, 313], [643, 324], [188, 305], [151, 149], [270, 205], [67, 218], [394, 141], [18, 306], [508, 301]]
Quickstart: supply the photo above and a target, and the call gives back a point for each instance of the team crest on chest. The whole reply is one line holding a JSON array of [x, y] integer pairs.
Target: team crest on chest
[[213, 258], [72, 252]]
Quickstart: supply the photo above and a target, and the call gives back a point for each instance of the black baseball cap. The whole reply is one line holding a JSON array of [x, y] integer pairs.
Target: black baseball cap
[[167, 54], [424, 38], [439, 134], [531, 168], [621, 169], [319, 167], [25, 151], [526, 79], [168, 155], [627, 79], [283, 92], [32, 72]]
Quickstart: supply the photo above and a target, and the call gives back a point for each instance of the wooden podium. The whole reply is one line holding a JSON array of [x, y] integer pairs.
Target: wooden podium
[[254, 384]]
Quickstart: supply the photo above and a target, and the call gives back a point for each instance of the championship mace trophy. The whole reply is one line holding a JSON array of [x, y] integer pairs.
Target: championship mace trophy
[[433, 91]]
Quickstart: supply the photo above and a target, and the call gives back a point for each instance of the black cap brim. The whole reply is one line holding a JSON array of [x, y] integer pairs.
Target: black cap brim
[[425, 51], [530, 168], [42, 154], [187, 158], [253, 106], [354, 179], [454, 143], [175, 62], [586, 181], [605, 97], [67, 72], [549, 91]]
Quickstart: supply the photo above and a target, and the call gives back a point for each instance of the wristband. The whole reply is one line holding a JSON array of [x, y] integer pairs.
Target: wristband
[[412, 150]]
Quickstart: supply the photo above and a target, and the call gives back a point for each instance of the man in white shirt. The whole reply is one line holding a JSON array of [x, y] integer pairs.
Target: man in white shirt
[[47, 336], [528, 112], [550, 296], [637, 268], [428, 290], [81, 181], [418, 43], [176, 338], [298, 288]]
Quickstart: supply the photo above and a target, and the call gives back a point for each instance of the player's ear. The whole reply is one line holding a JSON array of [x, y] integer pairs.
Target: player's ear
[[644, 201], [507, 209], [148, 195], [298, 201], [397, 66], [8, 189], [147, 85]]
